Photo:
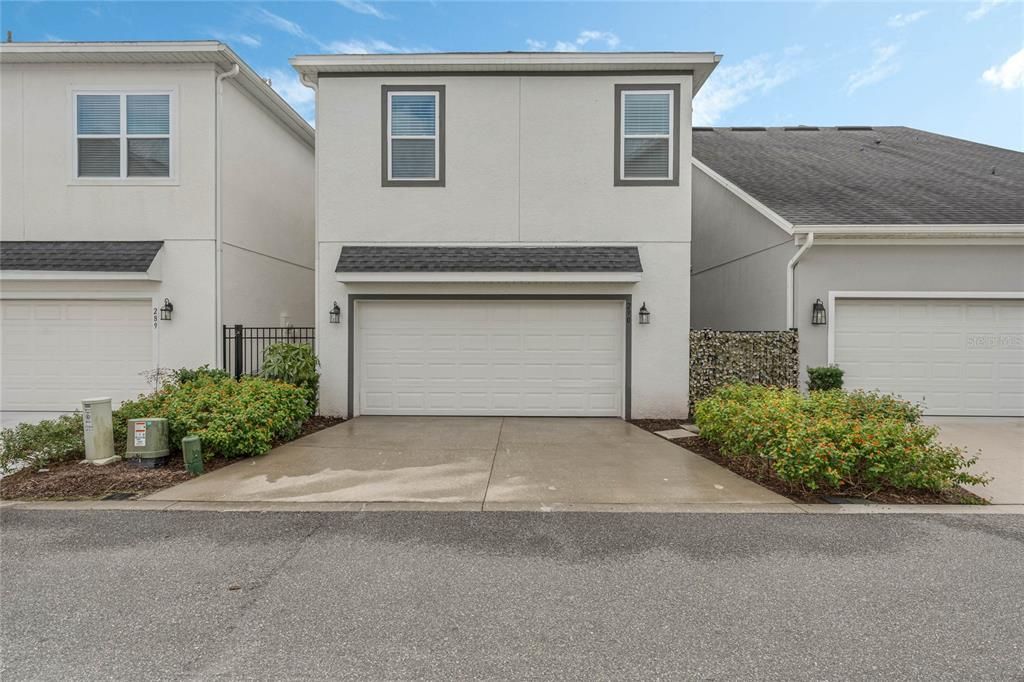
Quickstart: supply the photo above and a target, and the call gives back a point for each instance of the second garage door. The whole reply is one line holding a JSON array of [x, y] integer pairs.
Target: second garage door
[[483, 357], [958, 357]]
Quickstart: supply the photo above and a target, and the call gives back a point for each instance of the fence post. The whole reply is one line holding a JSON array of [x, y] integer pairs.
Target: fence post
[[238, 351]]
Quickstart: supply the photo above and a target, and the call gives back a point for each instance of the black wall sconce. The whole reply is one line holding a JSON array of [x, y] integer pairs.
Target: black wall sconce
[[818, 314], [167, 311], [335, 313], [644, 315]]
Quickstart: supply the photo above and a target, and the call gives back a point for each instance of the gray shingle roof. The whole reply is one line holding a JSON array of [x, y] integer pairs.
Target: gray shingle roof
[[78, 256], [489, 259], [858, 175]]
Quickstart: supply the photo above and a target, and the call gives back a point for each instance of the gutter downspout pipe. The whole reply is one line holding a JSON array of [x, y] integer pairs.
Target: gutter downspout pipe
[[790, 287], [218, 219], [312, 84]]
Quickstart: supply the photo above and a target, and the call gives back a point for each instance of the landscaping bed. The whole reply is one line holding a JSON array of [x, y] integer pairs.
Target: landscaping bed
[[72, 480], [828, 446]]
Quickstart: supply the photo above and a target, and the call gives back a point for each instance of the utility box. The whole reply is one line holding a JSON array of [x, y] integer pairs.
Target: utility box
[[98, 426], [192, 451], [147, 442]]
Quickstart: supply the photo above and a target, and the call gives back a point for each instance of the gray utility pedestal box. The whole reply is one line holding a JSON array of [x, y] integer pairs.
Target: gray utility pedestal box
[[147, 442]]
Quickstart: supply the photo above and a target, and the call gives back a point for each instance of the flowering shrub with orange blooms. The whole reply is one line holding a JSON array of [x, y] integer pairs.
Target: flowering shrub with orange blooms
[[832, 441]]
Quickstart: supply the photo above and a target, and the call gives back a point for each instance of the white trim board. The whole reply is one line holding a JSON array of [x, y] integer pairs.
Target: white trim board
[[946, 295], [483, 277], [771, 215]]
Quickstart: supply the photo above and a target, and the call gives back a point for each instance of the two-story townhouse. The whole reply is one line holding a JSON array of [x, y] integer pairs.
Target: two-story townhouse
[[151, 193], [504, 234]]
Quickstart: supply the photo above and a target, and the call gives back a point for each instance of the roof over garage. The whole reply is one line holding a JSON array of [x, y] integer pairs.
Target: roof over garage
[[869, 176], [93, 256], [489, 259]]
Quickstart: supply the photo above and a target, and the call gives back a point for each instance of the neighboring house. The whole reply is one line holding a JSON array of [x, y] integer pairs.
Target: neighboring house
[[135, 174], [913, 243], [490, 225]]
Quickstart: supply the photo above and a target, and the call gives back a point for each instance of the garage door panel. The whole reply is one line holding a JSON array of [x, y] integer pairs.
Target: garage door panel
[[57, 352], [958, 357], [512, 357]]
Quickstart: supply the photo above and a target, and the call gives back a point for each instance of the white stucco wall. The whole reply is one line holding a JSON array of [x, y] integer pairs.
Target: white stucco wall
[[529, 161], [268, 216]]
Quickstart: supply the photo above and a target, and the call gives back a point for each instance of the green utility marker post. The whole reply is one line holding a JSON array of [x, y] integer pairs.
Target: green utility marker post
[[193, 452]]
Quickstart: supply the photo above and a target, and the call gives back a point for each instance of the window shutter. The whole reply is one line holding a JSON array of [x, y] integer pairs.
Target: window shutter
[[148, 115], [99, 115]]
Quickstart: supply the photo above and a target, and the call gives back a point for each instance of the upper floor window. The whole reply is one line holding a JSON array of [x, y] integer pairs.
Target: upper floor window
[[647, 134], [123, 135], [413, 140]]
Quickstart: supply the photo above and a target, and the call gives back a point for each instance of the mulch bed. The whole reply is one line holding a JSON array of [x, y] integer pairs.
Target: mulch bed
[[762, 474], [76, 481]]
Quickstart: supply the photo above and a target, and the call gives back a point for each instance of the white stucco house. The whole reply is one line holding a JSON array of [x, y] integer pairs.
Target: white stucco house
[[490, 227], [908, 248], [137, 178]]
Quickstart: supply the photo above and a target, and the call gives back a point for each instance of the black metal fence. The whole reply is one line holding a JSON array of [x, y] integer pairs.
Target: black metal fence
[[244, 346]]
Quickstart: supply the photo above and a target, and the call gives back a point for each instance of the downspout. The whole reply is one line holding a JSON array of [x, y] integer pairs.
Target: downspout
[[218, 221], [790, 288], [312, 84]]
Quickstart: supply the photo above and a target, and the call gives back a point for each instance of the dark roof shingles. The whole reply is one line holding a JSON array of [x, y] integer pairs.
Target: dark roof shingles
[[93, 256], [874, 176], [489, 259]]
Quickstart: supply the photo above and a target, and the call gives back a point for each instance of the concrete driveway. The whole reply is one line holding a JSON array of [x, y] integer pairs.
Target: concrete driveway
[[999, 444], [477, 463]]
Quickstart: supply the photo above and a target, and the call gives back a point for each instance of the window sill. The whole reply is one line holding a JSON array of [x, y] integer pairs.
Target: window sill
[[127, 182]]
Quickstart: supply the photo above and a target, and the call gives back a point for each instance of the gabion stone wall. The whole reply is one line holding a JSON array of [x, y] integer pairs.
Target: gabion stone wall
[[718, 358]]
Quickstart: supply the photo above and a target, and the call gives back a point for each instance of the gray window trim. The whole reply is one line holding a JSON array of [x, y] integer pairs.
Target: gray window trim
[[627, 299], [384, 180], [625, 182]]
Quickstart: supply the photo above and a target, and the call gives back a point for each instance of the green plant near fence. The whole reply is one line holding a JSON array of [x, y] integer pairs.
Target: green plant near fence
[[719, 358]]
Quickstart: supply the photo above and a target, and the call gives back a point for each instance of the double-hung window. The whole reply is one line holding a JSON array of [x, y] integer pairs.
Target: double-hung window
[[122, 135], [647, 134], [413, 140]]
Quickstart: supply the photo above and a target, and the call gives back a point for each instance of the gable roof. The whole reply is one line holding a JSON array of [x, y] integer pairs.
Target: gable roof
[[161, 52], [107, 256], [489, 259], [867, 176]]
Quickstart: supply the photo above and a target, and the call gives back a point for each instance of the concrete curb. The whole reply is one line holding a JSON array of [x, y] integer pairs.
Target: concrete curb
[[696, 508]]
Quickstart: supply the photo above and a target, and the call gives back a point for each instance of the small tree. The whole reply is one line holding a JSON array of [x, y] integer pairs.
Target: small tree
[[293, 364], [824, 378]]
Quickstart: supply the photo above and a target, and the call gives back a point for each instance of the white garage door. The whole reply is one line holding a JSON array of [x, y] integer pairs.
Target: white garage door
[[491, 357], [57, 352], [958, 357]]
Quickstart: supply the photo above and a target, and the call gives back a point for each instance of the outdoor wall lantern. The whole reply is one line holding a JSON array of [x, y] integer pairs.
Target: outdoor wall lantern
[[167, 310], [335, 313], [818, 314], [644, 316]]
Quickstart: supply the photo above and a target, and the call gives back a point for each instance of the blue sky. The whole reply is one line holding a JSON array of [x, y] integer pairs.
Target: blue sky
[[952, 68]]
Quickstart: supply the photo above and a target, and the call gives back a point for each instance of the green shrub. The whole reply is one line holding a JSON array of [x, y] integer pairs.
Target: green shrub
[[824, 378], [293, 364], [231, 418], [39, 445], [832, 441], [185, 375]]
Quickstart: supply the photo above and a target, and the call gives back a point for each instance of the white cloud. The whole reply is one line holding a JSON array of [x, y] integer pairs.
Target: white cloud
[[287, 84], [280, 23], [983, 8], [605, 39], [360, 7], [732, 85], [370, 46], [246, 39], [901, 20], [883, 66], [1009, 75]]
